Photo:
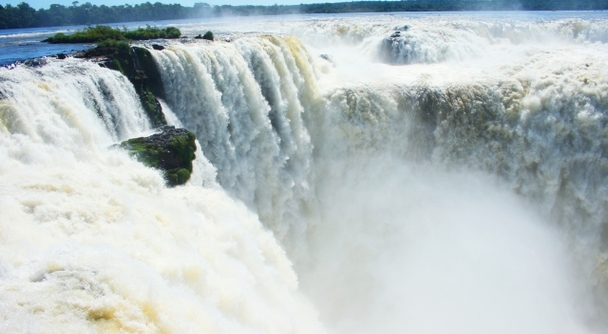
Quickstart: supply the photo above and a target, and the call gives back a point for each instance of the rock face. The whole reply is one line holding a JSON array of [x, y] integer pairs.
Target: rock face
[[137, 64], [171, 151]]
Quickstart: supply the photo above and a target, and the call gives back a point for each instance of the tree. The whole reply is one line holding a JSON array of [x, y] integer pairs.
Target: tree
[[26, 15]]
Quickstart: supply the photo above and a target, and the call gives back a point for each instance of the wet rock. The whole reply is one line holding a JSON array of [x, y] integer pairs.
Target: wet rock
[[36, 62], [328, 58], [398, 49], [138, 65], [171, 151], [158, 47]]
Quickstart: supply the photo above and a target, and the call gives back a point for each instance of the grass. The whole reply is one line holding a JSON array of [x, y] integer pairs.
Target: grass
[[108, 35]]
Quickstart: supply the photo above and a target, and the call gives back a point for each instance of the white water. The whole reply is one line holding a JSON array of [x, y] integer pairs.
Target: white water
[[92, 241], [462, 193]]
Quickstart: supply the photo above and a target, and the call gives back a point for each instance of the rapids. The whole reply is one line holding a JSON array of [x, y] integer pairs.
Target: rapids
[[448, 179]]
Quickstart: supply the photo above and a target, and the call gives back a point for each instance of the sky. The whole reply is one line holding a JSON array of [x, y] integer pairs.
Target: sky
[[45, 4]]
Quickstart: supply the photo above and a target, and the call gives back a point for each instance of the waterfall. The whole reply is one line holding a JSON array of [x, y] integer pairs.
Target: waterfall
[[356, 174], [254, 104], [92, 241], [531, 120], [247, 101]]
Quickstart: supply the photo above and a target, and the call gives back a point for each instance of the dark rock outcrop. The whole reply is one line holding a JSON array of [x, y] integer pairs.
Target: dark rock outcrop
[[404, 27], [397, 48], [171, 151], [396, 34], [389, 49], [137, 64]]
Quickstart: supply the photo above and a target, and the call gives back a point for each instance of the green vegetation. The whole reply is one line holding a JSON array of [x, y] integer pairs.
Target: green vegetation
[[114, 44], [24, 16], [208, 35], [88, 35], [152, 33], [111, 37]]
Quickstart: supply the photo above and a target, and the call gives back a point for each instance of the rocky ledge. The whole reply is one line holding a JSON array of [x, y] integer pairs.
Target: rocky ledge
[[137, 64], [171, 151]]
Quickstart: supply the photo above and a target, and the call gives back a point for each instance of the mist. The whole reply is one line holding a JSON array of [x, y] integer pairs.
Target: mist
[[417, 249]]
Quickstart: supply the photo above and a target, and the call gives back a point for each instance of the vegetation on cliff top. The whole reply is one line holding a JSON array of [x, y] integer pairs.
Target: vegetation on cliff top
[[98, 34]]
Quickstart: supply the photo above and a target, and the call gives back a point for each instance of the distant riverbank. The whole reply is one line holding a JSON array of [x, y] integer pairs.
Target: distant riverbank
[[25, 16]]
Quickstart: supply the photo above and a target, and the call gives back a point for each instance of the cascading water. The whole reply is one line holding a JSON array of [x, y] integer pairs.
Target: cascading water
[[247, 102], [462, 193], [92, 241]]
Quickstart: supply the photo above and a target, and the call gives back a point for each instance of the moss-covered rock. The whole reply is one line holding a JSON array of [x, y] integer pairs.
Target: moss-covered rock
[[145, 63], [171, 151]]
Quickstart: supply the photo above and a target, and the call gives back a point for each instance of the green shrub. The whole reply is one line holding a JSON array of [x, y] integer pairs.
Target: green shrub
[[152, 33], [111, 43], [88, 35], [208, 35], [105, 34], [173, 32]]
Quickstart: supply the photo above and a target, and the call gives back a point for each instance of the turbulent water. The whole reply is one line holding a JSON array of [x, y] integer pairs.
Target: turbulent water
[[428, 173]]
